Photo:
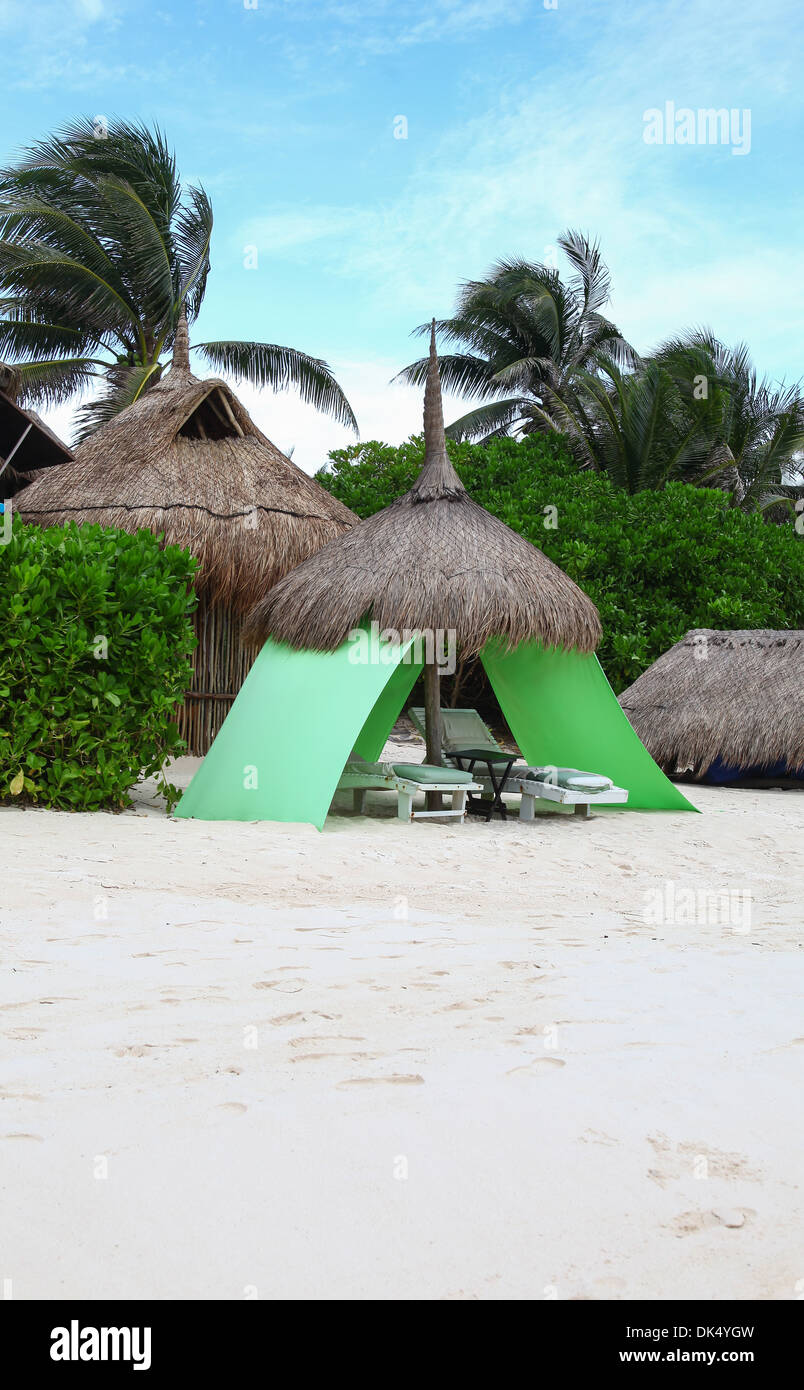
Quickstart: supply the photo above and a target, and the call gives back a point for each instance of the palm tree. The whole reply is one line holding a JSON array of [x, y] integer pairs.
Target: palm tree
[[630, 425], [101, 252], [528, 336], [753, 431], [694, 411]]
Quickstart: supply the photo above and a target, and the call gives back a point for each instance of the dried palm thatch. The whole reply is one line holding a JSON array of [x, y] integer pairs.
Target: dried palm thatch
[[187, 462], [736, 697], [433, 559]]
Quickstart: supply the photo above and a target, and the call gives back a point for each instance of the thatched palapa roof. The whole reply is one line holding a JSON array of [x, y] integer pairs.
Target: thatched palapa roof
[[187, 460], [26, 442], [733, 696], [432, 559]]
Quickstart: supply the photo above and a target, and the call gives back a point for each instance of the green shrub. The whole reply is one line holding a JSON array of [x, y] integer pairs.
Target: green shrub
[[655, 563], [95, 640]]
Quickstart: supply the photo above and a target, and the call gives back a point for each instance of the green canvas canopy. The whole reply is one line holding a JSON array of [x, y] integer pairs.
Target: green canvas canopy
[[299, 714]]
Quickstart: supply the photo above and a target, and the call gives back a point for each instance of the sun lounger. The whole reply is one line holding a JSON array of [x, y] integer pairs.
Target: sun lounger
[[406, 779], [568, 786]]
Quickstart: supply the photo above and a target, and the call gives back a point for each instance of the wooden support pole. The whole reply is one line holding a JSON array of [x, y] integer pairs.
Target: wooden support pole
[[433, 727], [238, 431], [6, 461]]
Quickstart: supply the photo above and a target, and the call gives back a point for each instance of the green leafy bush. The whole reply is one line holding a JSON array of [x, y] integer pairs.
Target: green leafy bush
[[95, 640], [655, 563]]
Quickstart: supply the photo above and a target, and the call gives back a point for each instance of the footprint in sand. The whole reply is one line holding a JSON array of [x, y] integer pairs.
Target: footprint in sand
[[233, 1107], [695, 1157], [690, 1223], [597, 1136], [414, 1079], [325, 1056], [537, 1066], [283, 986]]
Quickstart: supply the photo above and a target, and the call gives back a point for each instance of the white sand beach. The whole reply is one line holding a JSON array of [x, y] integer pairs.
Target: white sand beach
[[402, 1061]]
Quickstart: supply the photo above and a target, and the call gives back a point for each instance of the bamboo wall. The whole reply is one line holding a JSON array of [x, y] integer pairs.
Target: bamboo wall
[[220, 665]]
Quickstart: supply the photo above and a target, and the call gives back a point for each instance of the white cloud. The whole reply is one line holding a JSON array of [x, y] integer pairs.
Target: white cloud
[[387, 411]]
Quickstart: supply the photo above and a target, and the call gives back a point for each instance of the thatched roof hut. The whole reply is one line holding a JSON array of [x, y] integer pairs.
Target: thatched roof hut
[[187, 461], [722, 702], [433, 560], [26, 442]]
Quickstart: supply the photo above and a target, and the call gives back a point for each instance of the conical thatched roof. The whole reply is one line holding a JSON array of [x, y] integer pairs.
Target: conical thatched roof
[[736, 696], [433, 559], [188, 461]]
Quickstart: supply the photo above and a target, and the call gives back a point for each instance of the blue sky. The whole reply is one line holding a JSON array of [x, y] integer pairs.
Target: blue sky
[[522, 120]]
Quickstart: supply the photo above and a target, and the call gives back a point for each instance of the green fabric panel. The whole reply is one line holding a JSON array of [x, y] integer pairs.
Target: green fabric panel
[[291, 729], [563, 712], [382, 718]]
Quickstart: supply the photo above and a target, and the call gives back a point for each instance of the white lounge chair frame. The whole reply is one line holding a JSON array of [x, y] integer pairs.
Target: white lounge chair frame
[[381, 777], [529, 789]]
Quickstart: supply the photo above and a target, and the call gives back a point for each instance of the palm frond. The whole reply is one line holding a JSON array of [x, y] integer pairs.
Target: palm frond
[[146, 257], [28, 340], [192, 236], [592, 276], [280, 368], [459, 372], [50, 383], [488, 420], [127, 387]]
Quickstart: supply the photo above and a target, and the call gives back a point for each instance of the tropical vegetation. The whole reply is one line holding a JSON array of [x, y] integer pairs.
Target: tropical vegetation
[[96, 636]]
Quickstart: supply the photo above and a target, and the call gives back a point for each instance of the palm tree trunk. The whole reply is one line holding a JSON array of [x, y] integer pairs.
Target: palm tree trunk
[[433, 727]]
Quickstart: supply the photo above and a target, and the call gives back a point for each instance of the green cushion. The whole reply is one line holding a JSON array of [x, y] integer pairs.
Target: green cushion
[[572, 779], [423, 772]]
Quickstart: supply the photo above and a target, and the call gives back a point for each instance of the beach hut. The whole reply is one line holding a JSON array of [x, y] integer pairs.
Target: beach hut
[[26, 442], [346, 635], [187, 461], [724, 707]]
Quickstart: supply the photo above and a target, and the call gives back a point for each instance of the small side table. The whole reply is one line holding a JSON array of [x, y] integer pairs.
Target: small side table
[[465, 759]]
